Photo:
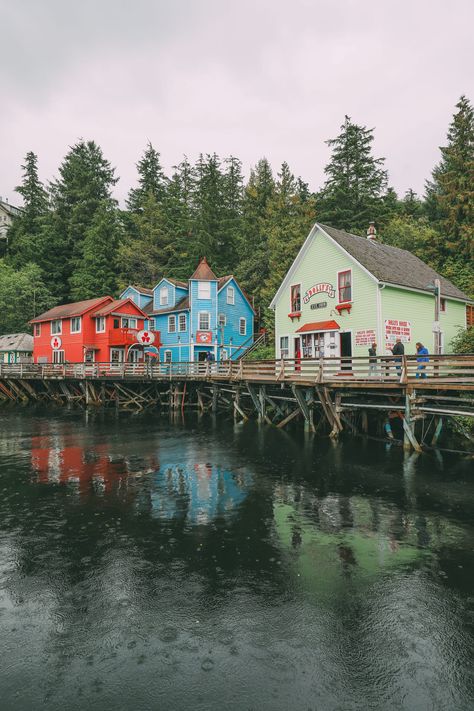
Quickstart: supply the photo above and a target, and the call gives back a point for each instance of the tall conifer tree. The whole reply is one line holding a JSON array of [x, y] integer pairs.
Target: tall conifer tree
[[151, 180]]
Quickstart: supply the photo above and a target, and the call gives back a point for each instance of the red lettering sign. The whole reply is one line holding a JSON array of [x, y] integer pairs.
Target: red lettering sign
[[321, 288]]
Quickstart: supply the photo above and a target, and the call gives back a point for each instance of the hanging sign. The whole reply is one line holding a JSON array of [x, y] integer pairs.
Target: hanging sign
[[365, 338], [321, 288], [145, 337], [319, 305], [203, 336], [56, 342], [397, 329]]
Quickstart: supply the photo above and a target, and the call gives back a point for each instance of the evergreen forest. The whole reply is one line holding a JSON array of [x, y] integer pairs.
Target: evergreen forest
[[73, 241]]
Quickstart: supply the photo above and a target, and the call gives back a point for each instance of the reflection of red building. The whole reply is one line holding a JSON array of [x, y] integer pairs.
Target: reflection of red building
[[101, 330]]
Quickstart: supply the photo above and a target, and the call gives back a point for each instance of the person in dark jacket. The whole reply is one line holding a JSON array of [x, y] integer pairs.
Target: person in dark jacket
[[373, 359], [398, 350], [422, 358]]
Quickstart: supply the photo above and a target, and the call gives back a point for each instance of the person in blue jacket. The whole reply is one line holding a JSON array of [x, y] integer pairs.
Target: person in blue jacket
[[422, 358]]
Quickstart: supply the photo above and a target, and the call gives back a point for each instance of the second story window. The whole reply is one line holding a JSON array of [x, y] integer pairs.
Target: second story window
[[345, 286], [172, 324], [76, 324], [100, 324], [243, 326], [37, 329], [129, 322], [164, 296], [295, 298], [56, 327], [222, 320], [230, 295], [204, 289], [182, 322], [204, 321], [442, 305]]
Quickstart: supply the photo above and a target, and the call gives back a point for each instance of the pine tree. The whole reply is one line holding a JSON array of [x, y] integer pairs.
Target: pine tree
[[23, 295], [356, 181], [151, 180], [450, 194], [178, 212], [208, 209], [232, 194]]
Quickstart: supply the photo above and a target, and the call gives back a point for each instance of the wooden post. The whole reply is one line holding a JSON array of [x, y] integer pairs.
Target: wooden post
[[409, 438], [437, 432]]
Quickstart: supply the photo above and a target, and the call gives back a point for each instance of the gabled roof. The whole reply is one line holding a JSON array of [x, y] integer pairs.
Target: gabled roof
[[141, 289], [20, 342], [11, 209], [177, 282], [204, 272], [67, 310], [117, 304], [386, 264], [223, 281], [181, 305]]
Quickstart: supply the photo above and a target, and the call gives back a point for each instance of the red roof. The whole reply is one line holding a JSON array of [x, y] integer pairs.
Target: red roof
[[204, 272], [319, 326], [116, 304], [67, 310]]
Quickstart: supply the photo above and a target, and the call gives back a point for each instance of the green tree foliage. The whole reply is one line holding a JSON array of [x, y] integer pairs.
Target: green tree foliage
[[151, 180], [356, 182], [464, 341], [178, 211], [23, 295]]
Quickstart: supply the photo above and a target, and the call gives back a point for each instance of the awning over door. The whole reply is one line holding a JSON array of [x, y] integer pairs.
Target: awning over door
[[319, 326]]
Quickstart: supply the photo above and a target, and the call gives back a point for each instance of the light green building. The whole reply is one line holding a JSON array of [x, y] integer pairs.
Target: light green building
[[344, 292], [16, 348]]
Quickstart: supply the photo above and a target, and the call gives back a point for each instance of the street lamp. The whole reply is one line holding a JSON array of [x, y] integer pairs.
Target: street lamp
[[436, 289]]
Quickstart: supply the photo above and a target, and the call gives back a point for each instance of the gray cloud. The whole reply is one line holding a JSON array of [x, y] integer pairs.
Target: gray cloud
[[248, 78]]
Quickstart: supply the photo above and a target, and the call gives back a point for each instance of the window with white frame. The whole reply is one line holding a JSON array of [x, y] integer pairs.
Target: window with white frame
[[164, 296], [37, 329], [204, 320], [58, 356], [76, 324], [284, 346], [128, 322], [172, 323], [167, 356], [100, 324], [230, 295], [182, 322], [204, 289], [243, 326], [151, 324], [222, 320], [56, 327]]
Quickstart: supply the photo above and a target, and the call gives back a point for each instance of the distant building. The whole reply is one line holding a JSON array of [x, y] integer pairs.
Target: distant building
[[205, 313], [102, 330], [344, 292], [16, 348], [7, 214]]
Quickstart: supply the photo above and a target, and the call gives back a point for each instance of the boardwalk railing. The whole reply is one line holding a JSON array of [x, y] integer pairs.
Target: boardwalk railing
[[448, 369]]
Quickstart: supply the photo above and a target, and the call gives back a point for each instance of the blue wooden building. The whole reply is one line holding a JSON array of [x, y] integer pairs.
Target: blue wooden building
[[205, 313]]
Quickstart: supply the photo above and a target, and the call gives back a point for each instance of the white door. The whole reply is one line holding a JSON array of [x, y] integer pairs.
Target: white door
[[117, 355]]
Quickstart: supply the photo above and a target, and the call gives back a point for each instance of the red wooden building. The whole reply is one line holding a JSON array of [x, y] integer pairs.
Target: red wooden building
[[102, 330]]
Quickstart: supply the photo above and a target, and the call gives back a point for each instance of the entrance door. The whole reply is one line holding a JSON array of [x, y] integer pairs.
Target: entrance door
[[346, 351], [202, 356], [117, 355], [134, 355]]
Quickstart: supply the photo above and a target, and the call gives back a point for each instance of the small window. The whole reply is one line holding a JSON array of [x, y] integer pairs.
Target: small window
[[172, 324], [100, 324], [295, 305], [182, 322], [222, 320], [167, 356], [345, 286], [58, 356], [230, 295], [204, 290], [76, 324], [116, 323], [56, 327], [442, 305], [129, 322], [164, 296], [243, 326], [284, 349], [204, 321], [151, 324], [37, 329]]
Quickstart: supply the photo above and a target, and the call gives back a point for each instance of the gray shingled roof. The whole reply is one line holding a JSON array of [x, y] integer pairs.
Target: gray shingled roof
[[20, 342], [391, 264], [181, 305]]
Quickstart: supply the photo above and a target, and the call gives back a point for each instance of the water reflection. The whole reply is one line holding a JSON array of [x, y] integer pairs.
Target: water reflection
[[147, 564]]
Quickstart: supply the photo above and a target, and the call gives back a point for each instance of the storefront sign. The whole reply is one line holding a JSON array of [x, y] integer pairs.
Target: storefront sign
[[365, 338], [145, 337], [55, 343], [204, 337], [397, 329], [319, 305], [322, 288]]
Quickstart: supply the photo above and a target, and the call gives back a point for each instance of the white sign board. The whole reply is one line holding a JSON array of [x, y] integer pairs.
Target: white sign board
[[365, 338], [397, 329], [145, 337], [56, 343]]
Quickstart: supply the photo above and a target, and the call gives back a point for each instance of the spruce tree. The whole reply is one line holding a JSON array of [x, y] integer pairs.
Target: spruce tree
[[208, 210], [23, 295], [151, 180], [232, 195], [178, 214], [356, 182]]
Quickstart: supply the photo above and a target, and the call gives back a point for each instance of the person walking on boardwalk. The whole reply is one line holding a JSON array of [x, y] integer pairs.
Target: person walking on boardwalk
[[398, 350], [373, 360], [422, 358]]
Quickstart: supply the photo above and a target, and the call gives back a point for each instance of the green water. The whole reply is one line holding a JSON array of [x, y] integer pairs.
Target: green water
[[156, 565]]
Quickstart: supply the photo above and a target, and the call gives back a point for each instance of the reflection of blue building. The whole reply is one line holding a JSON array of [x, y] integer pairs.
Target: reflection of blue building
[[200, 494], [205, 313]]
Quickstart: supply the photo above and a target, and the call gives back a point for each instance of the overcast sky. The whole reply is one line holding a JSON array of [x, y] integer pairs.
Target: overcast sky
[[250, 78]]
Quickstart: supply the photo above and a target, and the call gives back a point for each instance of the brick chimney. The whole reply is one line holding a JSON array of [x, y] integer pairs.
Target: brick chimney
[[372, 232]]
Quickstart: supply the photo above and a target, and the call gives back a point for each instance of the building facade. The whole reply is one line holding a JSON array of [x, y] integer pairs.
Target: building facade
[[7, 214], [204, 314], [102, 330], [16, 348], [344, 292]]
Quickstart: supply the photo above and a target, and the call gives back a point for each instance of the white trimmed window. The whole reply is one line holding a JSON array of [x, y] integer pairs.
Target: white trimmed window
[[151, 324], [56, 327], [58, 356], [204, 320], [167, 356], [172, 324], [222, 320], [182, 322], [243, 326], [100, 324], [284, 346], [204, 289], [37, 329], [164, 296], [230, 295], [76, 324], [129, 322]]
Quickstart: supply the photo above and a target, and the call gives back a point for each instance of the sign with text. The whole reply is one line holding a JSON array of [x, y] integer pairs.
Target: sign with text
[[397, 329], [365, 338], [319, 305], [204, 337], [321, 288]]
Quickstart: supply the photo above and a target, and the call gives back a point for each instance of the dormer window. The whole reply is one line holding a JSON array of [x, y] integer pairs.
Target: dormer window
[[204, 289], [164, 296]]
